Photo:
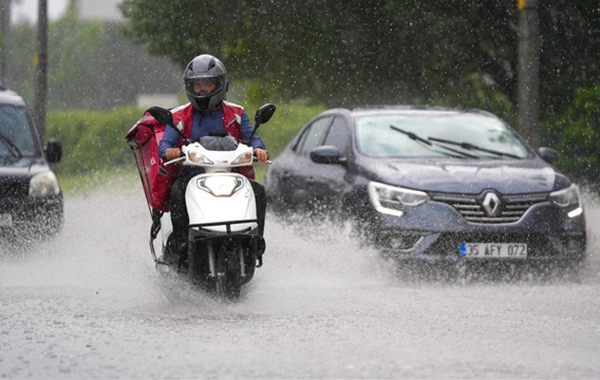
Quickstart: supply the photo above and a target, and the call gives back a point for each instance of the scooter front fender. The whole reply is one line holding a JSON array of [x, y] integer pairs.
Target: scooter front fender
[[220, 198]]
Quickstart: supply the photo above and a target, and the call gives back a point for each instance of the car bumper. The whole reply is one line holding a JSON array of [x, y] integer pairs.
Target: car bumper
[[436, 232], [37, 215]]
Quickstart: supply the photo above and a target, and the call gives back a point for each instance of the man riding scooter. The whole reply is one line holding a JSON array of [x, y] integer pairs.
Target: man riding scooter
[[208, 113]]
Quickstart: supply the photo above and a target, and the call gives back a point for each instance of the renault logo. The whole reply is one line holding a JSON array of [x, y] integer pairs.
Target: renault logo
[[492, 204]]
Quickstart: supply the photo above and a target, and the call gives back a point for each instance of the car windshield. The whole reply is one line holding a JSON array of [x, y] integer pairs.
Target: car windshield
[[16, 138], [377, 138]]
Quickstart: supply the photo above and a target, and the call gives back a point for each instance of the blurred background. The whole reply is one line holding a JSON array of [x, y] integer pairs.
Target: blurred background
[[532, 62]]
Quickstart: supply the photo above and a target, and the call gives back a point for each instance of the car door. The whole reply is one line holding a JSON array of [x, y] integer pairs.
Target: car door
[[327, 182], [297, 174]]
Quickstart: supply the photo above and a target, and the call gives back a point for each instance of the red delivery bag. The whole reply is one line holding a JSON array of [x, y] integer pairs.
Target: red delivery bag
[[143, 138]]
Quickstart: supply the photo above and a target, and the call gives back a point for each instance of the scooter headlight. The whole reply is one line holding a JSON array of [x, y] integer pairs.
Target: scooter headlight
[[393, 200], [220, 185], [243, 159], [198, 158], [569, 199]]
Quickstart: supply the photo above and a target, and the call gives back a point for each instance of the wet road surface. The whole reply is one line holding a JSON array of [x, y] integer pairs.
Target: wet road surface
[[89, 304]]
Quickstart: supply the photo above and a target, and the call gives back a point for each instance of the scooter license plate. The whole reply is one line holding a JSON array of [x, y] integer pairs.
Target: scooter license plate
[[6, 220], [493, 250]]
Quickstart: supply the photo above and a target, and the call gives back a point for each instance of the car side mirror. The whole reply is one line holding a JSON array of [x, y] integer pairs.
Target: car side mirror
[[264, 114], [327, 154], [549, 155], [53, 151], [163, 115]]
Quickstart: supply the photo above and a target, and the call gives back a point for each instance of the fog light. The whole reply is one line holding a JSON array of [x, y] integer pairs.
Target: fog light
[[403, 241]]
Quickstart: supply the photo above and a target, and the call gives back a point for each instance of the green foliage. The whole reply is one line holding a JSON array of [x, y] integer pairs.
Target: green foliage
[[92, 140], [72, 60], [74, 184], [94, 144], [576, 135], [21, 68], [337, 53], [90, 65], [377, 51], [477, 95], [285, 124], [358, 52]]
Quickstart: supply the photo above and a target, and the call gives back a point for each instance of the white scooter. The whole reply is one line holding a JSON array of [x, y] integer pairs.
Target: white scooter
[[224, 245]]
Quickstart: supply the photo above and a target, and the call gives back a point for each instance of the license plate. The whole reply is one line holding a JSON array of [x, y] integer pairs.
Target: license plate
[[493, 250], [6, 220]]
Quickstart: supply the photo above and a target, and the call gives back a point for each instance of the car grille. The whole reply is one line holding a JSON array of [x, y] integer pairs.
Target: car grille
[[470, 208]]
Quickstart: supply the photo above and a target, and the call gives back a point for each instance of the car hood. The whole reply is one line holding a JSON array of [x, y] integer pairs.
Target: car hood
[[25, 167], [470, 176]]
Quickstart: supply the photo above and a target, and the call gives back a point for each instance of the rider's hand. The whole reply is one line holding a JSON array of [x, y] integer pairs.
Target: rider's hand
[[261, 154], [173, 153]]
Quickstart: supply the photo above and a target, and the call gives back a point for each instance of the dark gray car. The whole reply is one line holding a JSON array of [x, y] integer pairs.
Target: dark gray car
[[31, 202], [433, 184]]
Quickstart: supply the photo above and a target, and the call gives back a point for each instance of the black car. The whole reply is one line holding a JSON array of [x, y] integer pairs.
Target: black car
[[432, 183], [31, 202]]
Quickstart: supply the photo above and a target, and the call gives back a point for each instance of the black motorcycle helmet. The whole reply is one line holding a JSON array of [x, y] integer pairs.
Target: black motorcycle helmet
[[208, 70]]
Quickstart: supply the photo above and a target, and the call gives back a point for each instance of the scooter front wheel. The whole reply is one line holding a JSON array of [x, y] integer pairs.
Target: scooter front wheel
[[228, 283]]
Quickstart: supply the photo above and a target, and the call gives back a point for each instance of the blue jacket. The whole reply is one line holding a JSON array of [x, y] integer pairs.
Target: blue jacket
[[202, 125]]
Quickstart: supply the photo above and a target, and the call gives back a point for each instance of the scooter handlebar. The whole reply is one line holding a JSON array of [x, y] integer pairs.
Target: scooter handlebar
[[255, 160], [173, 161]]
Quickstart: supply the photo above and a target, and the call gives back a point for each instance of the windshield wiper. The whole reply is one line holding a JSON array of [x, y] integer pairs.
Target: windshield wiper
[[432, 146], [469, 146], [12, 147]]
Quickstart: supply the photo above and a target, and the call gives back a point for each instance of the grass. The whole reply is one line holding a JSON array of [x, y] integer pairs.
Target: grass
[[76, 184], [285, 124], [108, 128]]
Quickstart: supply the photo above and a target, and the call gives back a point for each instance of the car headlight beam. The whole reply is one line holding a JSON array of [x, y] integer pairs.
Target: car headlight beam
[[569, 199], [393, 200]]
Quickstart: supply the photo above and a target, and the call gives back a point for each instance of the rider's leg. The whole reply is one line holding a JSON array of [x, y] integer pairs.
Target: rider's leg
[[178, 210]]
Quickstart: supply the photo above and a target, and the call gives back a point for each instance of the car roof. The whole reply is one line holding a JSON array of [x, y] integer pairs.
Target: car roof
[[413, 109], [10, 97], [407, 109]]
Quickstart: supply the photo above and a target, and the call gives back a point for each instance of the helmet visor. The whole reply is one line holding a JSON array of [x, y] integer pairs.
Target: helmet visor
[[204, 86]]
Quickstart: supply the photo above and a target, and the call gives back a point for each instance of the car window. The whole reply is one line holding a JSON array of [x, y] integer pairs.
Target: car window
[[376, 138], [313, 135], [338, 135], [15, 130]]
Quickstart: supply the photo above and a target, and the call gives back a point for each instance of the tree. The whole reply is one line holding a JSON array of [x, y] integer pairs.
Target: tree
[[369, 51], [90, 65]]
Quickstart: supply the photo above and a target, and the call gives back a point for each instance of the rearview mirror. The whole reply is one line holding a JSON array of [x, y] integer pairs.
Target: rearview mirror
[[548, 154], [327, 154], [163, 115], [264, 113], [53, 151]]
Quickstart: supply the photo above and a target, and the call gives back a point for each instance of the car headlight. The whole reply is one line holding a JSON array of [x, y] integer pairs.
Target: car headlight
[[43, 184], [393, 200], [220, 185], [243, 159], [569, 199]]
